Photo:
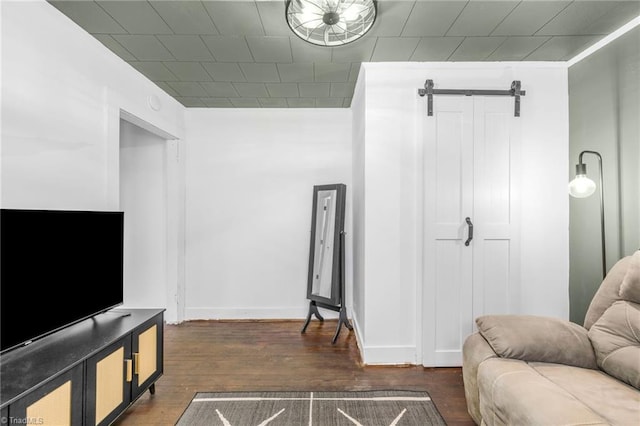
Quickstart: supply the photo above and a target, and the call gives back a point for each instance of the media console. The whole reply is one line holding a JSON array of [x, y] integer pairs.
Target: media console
[[86, 374]]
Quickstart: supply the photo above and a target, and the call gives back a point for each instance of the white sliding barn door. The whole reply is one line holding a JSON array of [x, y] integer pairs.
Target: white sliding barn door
[[470, 148]]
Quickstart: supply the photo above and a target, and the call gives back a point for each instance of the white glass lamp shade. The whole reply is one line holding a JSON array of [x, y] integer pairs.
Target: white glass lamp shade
[[581, 186], [330, 22]]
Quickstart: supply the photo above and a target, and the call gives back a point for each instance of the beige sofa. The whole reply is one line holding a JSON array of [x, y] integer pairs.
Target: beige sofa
[[531, 370]]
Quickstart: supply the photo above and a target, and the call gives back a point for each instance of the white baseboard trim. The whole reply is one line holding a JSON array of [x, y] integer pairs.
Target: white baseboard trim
[[251, 313], [389, 355], [357, 331], [382, 355]]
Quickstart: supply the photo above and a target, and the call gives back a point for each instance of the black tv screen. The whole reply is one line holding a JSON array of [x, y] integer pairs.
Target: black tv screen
[[57, 267]]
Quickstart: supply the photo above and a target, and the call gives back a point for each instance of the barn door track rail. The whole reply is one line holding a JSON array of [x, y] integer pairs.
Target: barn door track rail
[[429, 91]]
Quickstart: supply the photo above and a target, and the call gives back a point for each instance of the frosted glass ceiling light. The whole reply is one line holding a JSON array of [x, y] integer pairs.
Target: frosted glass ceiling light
[[330, 22]]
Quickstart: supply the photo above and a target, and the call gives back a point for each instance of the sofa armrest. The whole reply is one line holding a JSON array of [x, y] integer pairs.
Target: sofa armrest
[[538, 339], [475, 351]]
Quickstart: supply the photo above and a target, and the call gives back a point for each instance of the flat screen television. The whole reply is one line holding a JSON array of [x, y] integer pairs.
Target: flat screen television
[[57, 267]]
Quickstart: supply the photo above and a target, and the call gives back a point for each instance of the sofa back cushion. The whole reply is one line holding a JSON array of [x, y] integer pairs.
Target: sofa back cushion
[[630, 287], [608, 292], [615, 337], [534, 338]]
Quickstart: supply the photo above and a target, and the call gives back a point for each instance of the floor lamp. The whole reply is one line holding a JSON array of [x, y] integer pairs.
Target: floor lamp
[[582, 187]]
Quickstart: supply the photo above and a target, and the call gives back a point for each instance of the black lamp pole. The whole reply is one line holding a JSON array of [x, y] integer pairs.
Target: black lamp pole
[[582, 168]]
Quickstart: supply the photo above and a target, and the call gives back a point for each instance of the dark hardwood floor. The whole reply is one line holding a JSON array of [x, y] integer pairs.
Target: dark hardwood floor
[[214, 356]]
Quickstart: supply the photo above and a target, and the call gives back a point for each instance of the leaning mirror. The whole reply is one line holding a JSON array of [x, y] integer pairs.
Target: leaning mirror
[[324, 259], [325, 285]]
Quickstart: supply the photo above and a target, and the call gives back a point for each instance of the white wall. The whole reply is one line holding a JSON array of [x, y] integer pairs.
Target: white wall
[[605, 117], [357, 196], [250, 178], [63, 94], [143, 198], [392, 170]]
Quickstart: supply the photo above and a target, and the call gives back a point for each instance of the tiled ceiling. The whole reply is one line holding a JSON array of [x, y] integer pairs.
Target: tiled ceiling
[[217, 53]]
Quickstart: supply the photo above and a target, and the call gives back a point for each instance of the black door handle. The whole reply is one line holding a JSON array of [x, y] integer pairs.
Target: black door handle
[[470, 224]]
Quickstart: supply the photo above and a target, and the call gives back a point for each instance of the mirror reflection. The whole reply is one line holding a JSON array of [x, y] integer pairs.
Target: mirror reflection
[[323, 245]]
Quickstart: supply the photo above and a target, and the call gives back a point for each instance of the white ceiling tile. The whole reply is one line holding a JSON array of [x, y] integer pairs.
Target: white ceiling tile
[[191, 101], [185, 17], [168, 89], [260, 72], [283, 90], [203, 52], [528, 17], [220, 90], [331, 72], [301, 102], [186, 47], [329, 102], [341, 90], [358, 51], [436, 48], [432, 18], [255, 90], [314, 90], [89, 16], [217, 102], [235, 17], [391, 18], [561, 48], [273, 18], [476, 48], [355, 71], [576, 18], [228, 48], [245, 102], [115, 47], [480, 18], [296, 72], [155, 71], [270, 49], [188, 71], [137, 17], [303, 51], [394, 48], [619, 12], [187, 89], [273, 102], [517, 48], [144, 47], [224, 71]]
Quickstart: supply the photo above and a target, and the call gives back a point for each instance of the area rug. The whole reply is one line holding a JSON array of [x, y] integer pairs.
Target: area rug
[[366, 408]]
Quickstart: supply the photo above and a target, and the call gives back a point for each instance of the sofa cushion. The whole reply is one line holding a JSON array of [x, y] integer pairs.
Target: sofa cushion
[[611, 399], [630, 287], [608, 292], [537, 338], [616, 340], [514, 393]]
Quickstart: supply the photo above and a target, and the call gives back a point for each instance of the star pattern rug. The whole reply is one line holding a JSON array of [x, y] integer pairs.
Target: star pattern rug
[[360, 408]]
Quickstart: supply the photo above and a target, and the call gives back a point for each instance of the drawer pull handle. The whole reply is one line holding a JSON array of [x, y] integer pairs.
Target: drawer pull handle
[[136, 363], [129, 367]]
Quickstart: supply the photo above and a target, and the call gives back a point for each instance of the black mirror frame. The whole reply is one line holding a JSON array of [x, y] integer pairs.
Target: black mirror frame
[[337, 271]]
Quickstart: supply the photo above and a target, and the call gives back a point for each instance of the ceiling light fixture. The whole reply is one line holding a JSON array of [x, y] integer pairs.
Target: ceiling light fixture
[[330, 22]]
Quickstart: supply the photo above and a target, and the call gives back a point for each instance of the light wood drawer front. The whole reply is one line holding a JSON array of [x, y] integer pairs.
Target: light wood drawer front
[[109, 384], [54, 409]]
